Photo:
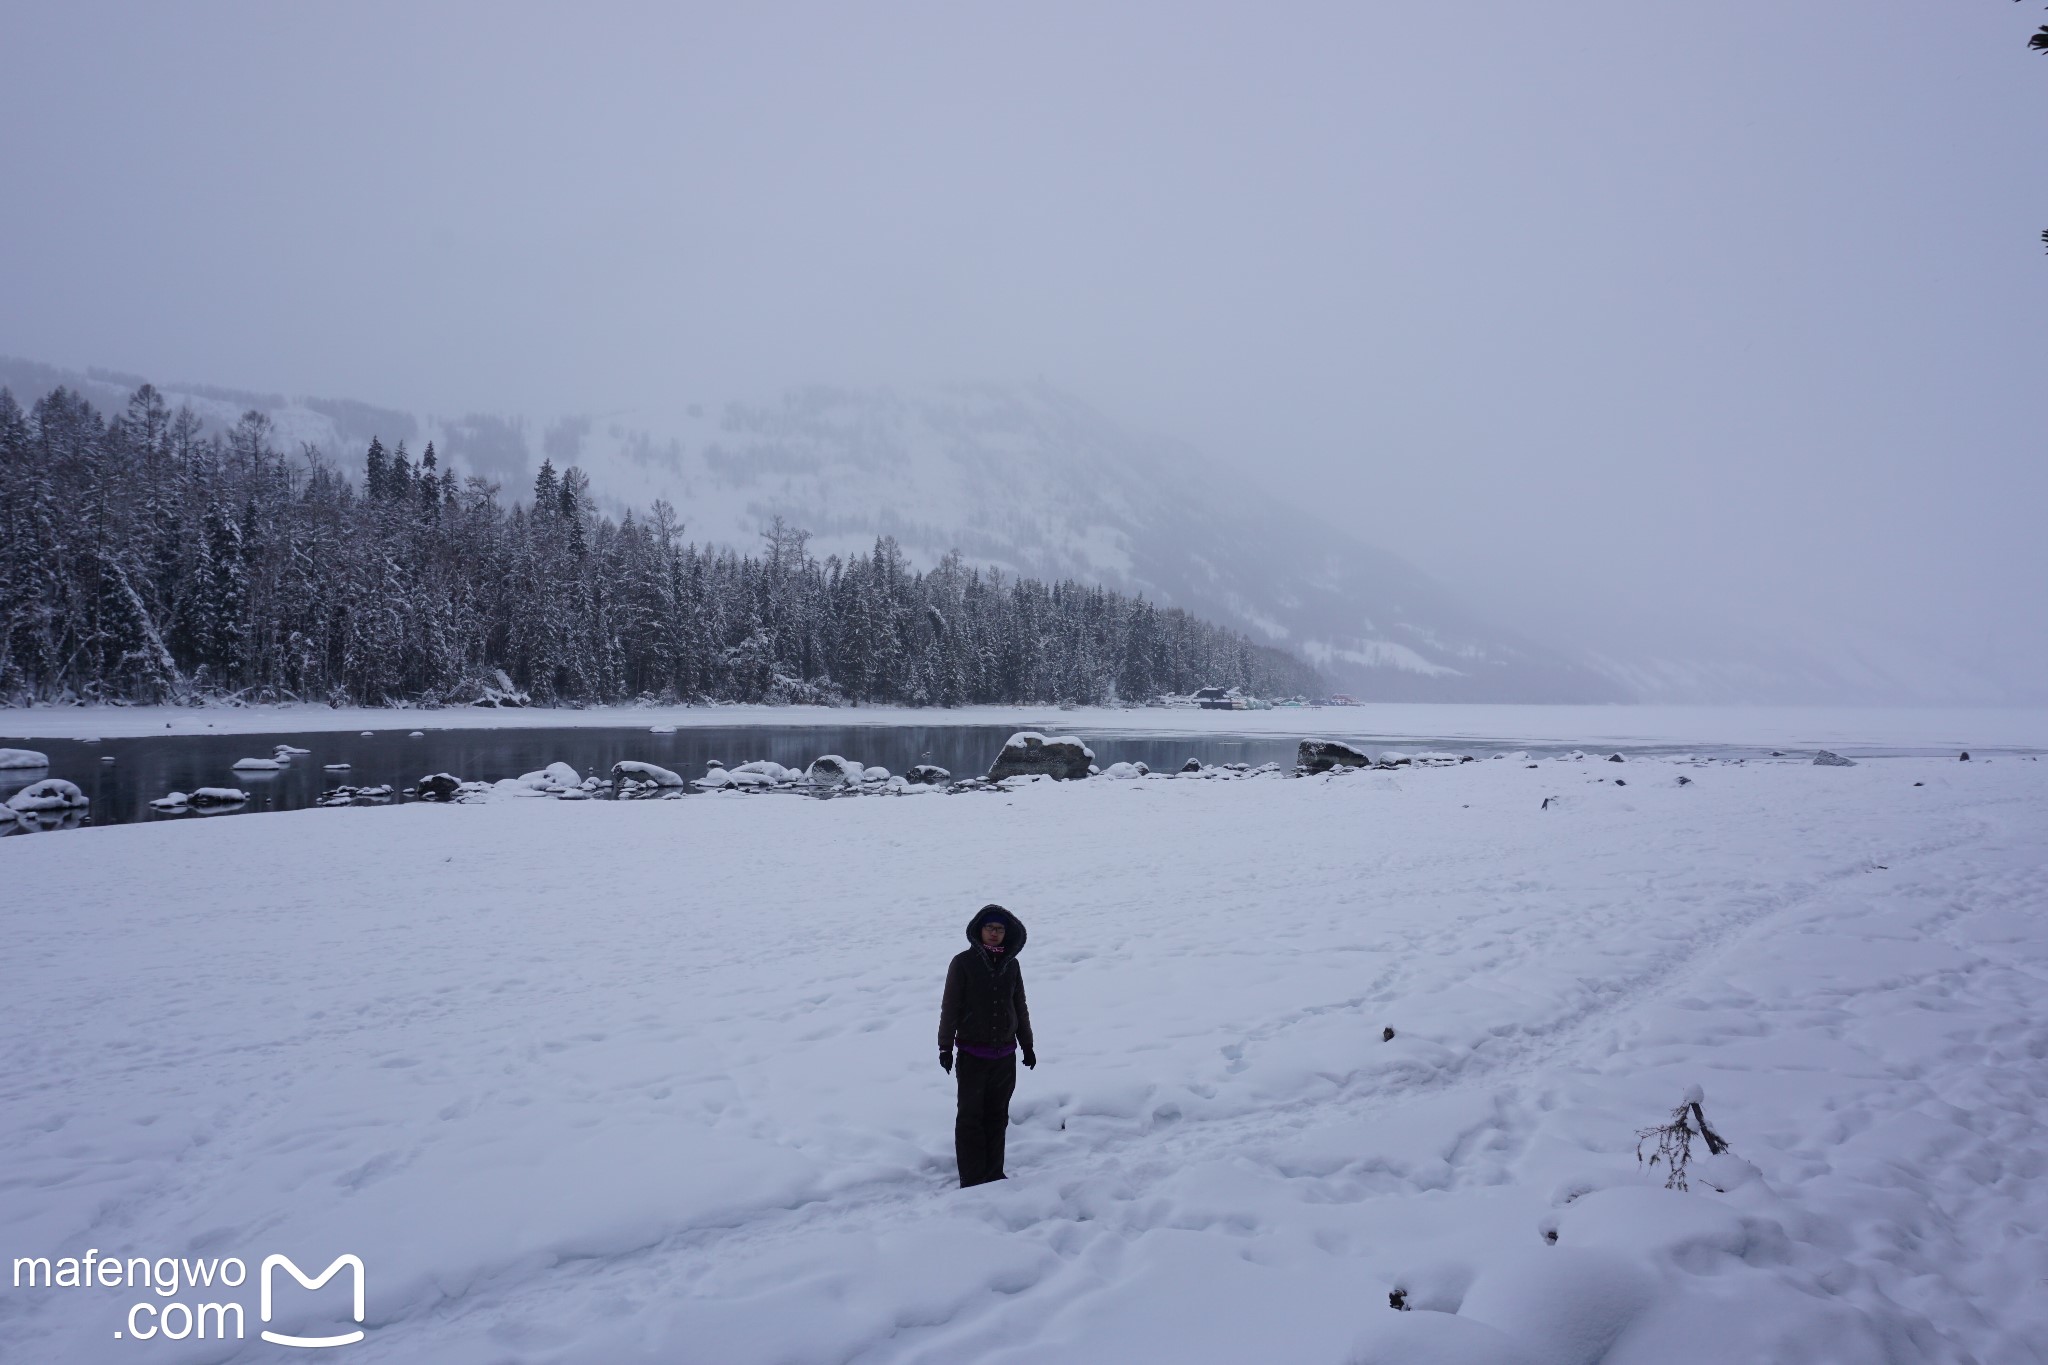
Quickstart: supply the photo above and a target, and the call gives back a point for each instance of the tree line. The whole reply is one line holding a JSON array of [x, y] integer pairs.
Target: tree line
[[145, 559]]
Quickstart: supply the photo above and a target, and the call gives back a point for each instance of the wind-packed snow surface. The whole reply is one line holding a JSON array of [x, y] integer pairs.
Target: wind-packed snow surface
[[657, 1081]]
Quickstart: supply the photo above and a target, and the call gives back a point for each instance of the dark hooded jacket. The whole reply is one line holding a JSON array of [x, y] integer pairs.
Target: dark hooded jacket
[[984, 1002]]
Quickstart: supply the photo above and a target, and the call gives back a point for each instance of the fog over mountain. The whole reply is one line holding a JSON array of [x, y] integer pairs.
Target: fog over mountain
[[1605, 350], [1035, 481]]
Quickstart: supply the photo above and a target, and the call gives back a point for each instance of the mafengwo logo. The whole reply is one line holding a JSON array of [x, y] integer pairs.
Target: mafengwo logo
[[274, 1262], [177, 1316]]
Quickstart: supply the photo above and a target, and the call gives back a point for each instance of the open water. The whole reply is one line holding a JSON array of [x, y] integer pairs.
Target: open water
[[122, 776]]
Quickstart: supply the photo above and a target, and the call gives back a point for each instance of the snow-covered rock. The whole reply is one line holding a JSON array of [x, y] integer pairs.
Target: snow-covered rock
[[286, 751], [1825, 759], [716, 779], [562, 775], [257, 765], [438, 787], [1030, 754], [218, 796], [520, 788], [927, 774], [645, 772], [1122, 772], [764, 768], [52, 793], [1321, 755], [830, 770], [23, 758]]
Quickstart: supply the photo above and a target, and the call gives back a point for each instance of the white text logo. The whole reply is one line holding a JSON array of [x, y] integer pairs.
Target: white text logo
[[271, 1262]]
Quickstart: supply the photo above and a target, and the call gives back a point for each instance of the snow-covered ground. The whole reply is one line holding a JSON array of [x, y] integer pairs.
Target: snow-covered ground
[[657, 1081], [1842, 728]]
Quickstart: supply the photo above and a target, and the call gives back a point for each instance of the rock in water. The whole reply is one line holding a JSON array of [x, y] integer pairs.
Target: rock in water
[[928, 775], [830, 770], [1030, 754], [1193, 765], [1824, 759], [439, 787], [23, 758], [644, 772], [1321, 755], [52, 793]]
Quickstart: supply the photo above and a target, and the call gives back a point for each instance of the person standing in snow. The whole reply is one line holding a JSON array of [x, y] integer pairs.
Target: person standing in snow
[[985, 1017]]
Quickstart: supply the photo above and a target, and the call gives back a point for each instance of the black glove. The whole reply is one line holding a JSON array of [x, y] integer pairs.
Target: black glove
[[1030, 1058], [945, 1061]]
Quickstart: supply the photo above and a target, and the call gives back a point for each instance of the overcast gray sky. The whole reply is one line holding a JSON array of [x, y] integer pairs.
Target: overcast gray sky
[[1601, 311]]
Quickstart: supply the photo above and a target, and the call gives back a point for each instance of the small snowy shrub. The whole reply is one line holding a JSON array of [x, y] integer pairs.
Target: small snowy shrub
[[1674, 1139]]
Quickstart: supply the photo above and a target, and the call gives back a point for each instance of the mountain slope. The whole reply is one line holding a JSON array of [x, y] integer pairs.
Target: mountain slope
[[1032, 480], [1024, 478]]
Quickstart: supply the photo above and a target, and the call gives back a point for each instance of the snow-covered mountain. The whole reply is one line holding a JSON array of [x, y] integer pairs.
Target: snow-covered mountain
[[1032, 480], [1023, 478]]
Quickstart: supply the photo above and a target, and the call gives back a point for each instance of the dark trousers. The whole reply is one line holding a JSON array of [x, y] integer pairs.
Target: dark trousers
[[984, 1118]]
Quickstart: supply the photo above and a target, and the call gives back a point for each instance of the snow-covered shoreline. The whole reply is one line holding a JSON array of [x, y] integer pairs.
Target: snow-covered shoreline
[[656, 1081], [1756, 726]]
